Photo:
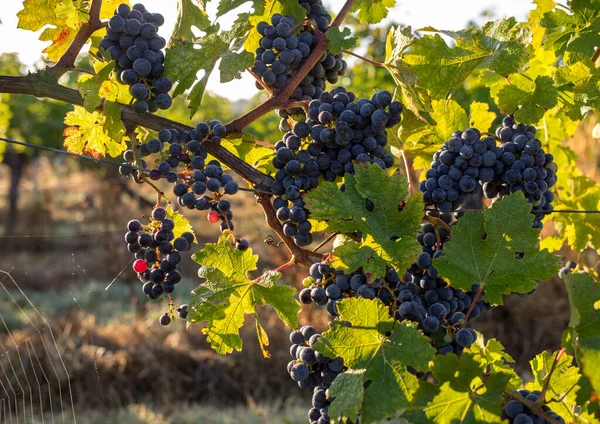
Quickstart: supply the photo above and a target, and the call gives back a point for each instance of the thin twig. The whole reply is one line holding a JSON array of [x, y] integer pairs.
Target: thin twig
[[373, 62], [542, 396], [407, 170], [474, 301], [253, 190], [260, 81], [324, 242], [302, 255]]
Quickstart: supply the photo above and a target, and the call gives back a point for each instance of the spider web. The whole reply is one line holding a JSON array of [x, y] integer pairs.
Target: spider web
[[41, 367]]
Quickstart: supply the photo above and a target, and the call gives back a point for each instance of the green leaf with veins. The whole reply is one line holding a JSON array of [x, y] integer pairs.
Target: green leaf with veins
[[415, 98], [575, 35], [182, 224], [441, 68], [388, 235], [422, 140], [372, 11], [228, 295], [528, 99], [584, 299], [465, 395], [492, 354], [339, 40], [377, 350], [483, 251], [563, 383], [191, 15]]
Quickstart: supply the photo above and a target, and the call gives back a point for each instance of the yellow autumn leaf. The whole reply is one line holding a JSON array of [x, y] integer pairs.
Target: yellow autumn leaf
[[85, 135]]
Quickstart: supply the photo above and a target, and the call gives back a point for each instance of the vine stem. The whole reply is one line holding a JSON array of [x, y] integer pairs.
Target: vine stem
[[260, 81], [39, 85], [474, 302], [77, 155], [407, 170], [324, 242], [278, 100], [542, 396], [302, 256], [534, 407], [373, 62], [596, 55], [67, 60]]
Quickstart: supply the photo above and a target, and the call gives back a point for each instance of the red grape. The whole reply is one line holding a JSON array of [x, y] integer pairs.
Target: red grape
[[213, 216], [140, 266]]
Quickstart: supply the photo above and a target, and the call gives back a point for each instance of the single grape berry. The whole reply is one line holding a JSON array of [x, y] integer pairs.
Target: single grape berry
[[140, 266], [164, 319], [213, 217]]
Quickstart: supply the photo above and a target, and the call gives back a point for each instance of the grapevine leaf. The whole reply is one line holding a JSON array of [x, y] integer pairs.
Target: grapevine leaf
[[422, 140], [492, 354], [86, 134], [528, 99], [581, 230], [372, 11], [185, 59], [113, 125], [463, 396], [339, 40], [63, 19], [107, 10], [388, 235], [375, 357], [103, 86], [246, 149], [575, 35], [484, 248], [481, 117], [579, 85], [441, 68], [415, 98], [228, 295], [347, 391], [563, 383], [190, 15], [232, 64], [584, 298], [542, 7], [226, 6], [182, 225]]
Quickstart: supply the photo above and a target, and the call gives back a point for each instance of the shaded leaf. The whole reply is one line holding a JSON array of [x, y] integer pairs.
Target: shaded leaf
[[388, 235], [483, 251]]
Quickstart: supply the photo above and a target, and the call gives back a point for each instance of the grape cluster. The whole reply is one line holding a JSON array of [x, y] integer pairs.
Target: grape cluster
[[459, 168], [312, 370], [132, 41], [338, 131], [327, 286], [526, 168], [468, 163], [425, 298], [157, 252], [200, 184], [517, 413], [282, 51], [128, 161]]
